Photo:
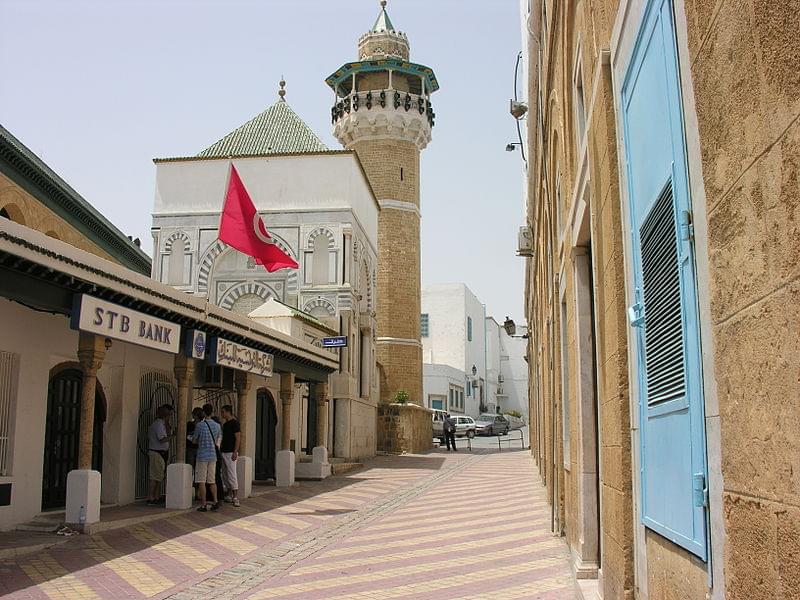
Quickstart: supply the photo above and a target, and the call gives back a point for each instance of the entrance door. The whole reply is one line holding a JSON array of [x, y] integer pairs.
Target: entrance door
[[155, 388], [62, 432], [266, 424], [311, 425]]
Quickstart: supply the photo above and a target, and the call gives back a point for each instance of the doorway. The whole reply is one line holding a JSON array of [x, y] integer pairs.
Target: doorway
[[266, 425], [311, 423], [155, 388], [62, 432]]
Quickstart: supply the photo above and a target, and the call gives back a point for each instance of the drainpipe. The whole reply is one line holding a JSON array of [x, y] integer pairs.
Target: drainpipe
[[485, 368]]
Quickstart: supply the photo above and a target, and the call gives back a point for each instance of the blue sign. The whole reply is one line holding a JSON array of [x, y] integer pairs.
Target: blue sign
[[335, 342], [195, 344]]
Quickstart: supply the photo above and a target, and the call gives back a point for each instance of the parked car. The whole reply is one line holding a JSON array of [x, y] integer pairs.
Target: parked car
[[438, 424], [465, 426], [489, 424]]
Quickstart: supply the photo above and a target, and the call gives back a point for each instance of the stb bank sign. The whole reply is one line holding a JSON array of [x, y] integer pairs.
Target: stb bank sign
[[97, 316]]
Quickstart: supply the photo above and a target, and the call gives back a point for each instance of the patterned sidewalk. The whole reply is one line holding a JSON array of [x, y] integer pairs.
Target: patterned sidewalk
[[438, 525]]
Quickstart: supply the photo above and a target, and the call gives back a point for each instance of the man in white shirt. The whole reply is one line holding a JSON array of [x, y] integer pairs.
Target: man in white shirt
[[158, 451]]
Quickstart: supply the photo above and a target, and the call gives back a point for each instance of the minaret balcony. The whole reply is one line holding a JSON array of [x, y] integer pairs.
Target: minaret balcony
[[383, 114]]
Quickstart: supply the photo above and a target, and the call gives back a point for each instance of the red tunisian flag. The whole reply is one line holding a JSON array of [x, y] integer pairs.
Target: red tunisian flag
[[241, 227]]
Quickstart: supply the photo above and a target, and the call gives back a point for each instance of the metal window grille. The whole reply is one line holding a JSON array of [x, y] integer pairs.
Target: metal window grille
[[9, 364], [424, 325]]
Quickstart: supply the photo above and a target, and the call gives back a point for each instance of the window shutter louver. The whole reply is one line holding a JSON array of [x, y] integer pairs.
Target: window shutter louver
[[664, 356]]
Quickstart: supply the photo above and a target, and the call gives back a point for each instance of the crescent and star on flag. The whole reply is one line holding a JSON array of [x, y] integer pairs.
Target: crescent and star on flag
[[242, 228]]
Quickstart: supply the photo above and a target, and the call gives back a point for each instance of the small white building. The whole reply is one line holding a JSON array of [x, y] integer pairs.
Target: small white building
[[443, 387], [470, 364], [507, 378], [453, 334]]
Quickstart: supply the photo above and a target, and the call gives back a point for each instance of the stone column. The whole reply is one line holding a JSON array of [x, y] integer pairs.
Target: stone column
[[321, 397], [91, 352], [287, 393], [83, 484], [244, 463], [184, 374], [243, 384], [179, 474], [285, 460], [348, 255]]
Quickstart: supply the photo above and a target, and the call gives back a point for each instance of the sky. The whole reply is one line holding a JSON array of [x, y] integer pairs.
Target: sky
[[98, 88]]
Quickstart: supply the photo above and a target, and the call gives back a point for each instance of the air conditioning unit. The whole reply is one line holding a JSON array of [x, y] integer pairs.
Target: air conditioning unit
[[525, 242]]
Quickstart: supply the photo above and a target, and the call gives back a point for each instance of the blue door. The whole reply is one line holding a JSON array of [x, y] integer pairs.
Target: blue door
[[665, 314]]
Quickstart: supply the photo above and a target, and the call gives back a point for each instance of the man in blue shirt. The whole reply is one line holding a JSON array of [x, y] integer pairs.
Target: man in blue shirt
[[207, 436]]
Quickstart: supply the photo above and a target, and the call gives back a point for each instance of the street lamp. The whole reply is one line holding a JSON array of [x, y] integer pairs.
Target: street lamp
[[511, 146], [511, 329]]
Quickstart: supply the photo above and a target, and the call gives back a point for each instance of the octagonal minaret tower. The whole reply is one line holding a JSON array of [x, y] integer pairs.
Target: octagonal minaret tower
[[382, 110]]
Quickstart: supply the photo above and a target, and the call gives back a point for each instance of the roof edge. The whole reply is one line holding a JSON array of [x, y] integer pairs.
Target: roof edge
[[261, 155], [32, 174]]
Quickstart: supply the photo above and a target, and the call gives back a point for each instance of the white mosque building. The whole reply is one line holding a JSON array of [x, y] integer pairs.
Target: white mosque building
[[319, 207]]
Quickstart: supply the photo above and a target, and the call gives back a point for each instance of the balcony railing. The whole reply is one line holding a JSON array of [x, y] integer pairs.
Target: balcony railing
[[383, 98]]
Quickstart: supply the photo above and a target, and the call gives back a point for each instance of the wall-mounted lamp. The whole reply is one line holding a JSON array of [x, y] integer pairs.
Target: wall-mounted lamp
[[518, 108], [511, 329]]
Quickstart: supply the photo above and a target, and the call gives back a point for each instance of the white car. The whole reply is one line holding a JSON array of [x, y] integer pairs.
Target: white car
[[465, 426]]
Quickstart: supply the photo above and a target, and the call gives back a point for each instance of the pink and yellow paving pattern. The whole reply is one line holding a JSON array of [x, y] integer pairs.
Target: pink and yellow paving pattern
[[439, 526]]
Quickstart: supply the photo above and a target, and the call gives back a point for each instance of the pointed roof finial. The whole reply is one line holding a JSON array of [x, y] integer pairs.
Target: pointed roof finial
[[383, 23], [282, 91]]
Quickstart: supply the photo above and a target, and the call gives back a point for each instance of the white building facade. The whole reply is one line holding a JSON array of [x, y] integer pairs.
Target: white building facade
[[468, 356]]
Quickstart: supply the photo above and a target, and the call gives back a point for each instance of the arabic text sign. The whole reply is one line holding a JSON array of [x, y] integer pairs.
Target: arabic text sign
[[230, 354]]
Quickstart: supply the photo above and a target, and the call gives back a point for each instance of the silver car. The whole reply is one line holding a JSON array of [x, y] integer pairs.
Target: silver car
[[489, 424]]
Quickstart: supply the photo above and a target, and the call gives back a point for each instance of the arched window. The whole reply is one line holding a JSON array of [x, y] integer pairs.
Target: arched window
[[175, 270], [320, 262], [12, 212]]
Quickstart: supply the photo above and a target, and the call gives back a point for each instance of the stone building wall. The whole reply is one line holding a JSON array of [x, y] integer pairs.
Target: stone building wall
[[569, 179], [744, 65], [740, 76], [392, 167]]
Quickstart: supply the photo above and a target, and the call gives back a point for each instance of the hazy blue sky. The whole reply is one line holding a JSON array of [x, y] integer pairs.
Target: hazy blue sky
[[99, 88]]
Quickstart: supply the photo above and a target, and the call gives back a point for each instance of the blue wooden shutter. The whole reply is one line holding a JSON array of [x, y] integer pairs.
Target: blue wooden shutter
[[665, 314]]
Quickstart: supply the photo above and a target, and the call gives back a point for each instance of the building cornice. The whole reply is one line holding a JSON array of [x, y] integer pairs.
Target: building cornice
[[28, 171]]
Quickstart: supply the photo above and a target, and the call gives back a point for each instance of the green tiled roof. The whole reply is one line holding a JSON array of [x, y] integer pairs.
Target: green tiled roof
[[277, 130]]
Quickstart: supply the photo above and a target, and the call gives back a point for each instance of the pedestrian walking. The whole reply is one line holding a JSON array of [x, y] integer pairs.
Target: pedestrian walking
[[158, 452], [231, 439], [207, 435], [449, 427]]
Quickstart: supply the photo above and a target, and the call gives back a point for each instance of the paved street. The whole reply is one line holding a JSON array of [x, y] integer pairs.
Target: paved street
[[441, 525]]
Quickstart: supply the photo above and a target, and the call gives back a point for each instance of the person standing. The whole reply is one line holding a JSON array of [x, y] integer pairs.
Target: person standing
[[449, 427], [231, 439], [191, 447], [158, 452], [207, 436]]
